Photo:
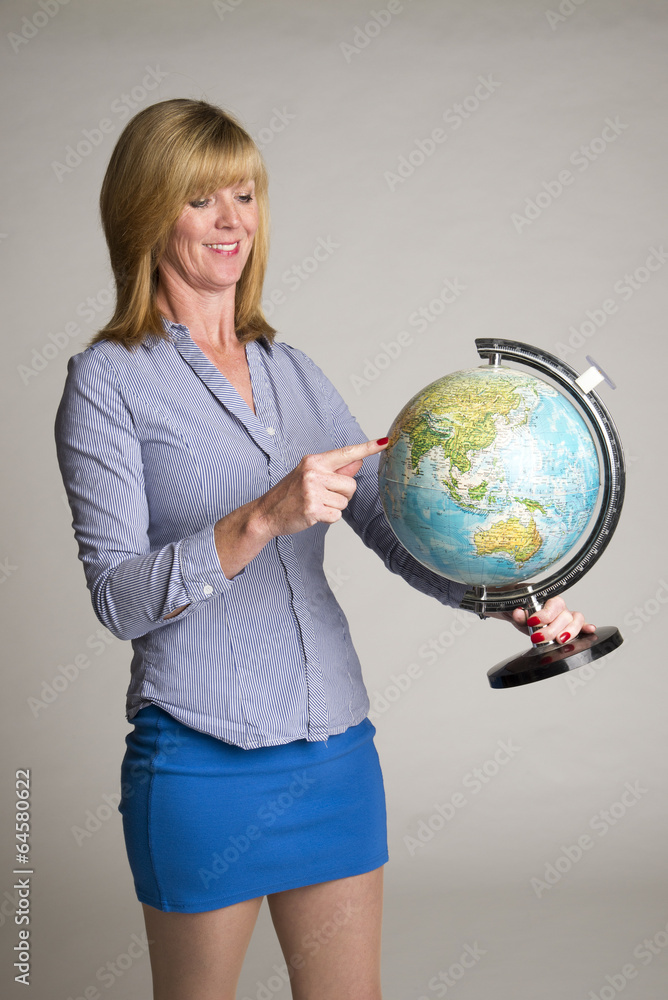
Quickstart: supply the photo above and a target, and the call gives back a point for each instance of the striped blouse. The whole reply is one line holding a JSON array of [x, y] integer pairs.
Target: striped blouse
[[155, 445]]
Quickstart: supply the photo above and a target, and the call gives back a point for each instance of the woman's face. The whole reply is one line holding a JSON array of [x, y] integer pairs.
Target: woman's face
[[212, 238]]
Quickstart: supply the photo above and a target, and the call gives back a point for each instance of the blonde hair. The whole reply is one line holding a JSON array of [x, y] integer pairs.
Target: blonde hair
[[168, 154]]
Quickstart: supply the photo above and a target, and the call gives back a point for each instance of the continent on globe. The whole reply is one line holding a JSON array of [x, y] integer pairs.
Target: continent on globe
[[472, 426], [521, 541]]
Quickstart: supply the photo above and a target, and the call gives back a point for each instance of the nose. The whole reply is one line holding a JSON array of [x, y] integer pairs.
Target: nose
[[228, 214]]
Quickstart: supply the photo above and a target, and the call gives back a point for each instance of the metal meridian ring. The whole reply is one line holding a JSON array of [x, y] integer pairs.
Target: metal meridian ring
[[483, 599]]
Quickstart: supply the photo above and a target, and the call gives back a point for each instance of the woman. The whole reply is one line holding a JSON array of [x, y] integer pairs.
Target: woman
[[203, 462]]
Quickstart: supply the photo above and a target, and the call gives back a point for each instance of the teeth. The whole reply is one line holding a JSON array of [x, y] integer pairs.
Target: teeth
[[222, 246]]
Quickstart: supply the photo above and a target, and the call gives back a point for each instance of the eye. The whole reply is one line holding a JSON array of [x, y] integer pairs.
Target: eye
[[199, 203], [246, 198]]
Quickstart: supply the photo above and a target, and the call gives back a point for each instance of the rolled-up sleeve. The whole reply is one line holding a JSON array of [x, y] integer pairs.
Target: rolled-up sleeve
[[365, 514], [132, 587]]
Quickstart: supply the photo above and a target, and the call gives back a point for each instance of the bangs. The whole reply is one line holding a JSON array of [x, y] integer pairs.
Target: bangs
[[226, 158]]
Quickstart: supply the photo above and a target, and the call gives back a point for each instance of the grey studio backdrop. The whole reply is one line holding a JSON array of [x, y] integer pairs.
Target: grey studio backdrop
[[439, 172]]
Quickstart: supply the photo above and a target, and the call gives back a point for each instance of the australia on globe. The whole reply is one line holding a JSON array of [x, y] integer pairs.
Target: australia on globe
[[490, 476]]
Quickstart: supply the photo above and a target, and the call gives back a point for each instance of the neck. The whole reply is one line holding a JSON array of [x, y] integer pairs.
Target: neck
[[208, 316]]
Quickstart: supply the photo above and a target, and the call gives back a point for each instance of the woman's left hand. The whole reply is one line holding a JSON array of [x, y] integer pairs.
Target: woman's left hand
[[554, 618]]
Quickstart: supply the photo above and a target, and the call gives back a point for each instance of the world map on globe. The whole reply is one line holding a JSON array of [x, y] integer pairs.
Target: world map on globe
[[490, 476]]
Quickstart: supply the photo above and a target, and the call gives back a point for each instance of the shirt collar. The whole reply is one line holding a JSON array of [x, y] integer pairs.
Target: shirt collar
[[178, 331]]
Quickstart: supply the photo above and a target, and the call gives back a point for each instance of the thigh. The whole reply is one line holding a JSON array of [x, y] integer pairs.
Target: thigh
[[198, 956], [330, 937]]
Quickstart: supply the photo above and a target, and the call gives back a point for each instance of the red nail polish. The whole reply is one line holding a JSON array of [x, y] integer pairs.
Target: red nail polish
[[538, 637], [534, 620], [564, 637], [382, 440]]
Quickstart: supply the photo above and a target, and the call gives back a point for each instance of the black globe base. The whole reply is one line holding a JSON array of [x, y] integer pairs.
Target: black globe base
[[554, 658]]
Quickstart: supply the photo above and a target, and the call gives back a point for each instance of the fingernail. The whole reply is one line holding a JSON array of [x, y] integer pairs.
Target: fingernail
[[538, 637], [564, 637], [534, 620], [382, 440]]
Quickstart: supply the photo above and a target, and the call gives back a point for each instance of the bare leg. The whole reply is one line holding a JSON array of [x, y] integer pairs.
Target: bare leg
[[330, 937], [198, 956]]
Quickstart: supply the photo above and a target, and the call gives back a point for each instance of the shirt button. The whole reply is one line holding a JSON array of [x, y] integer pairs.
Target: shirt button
[[208, 589], [271, 430]]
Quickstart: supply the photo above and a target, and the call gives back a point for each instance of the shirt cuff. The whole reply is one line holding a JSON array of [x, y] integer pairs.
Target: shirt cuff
[[201, 572]]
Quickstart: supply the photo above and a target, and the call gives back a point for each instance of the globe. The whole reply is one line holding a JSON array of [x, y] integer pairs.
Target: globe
[[490, 477]]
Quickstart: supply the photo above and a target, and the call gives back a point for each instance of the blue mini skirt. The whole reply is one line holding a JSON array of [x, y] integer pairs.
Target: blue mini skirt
[[208, 824]]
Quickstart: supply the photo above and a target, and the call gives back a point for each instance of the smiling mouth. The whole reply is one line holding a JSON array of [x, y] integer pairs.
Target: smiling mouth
[[223, 247]]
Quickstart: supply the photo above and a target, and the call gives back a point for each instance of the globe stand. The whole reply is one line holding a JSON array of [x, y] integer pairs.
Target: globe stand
[[551, 658], [547, 659]]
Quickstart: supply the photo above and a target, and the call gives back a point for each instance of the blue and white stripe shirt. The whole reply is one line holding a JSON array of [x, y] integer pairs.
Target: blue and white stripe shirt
[[155, 445]]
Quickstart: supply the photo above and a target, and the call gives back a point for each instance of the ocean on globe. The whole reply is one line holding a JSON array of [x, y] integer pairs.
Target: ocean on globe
[[490, 476]]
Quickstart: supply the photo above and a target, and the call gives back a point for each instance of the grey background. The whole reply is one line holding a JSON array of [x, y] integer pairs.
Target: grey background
[[346, 117]]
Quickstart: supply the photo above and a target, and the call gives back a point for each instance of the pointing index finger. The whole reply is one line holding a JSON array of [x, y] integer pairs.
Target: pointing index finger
[[340, 457]]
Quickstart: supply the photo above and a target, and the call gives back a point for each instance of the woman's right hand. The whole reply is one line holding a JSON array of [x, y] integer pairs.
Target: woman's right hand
[[318, 489]]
